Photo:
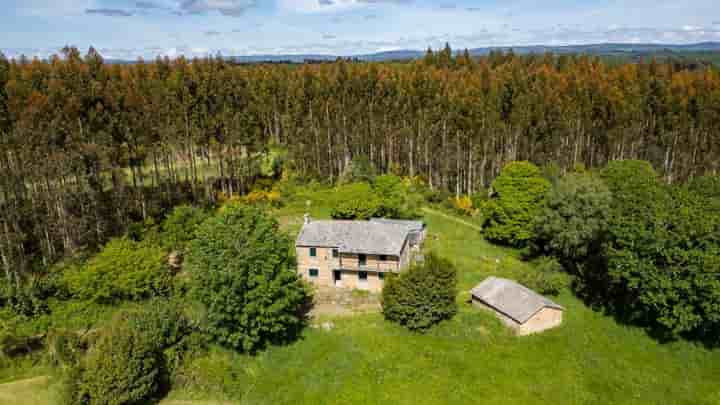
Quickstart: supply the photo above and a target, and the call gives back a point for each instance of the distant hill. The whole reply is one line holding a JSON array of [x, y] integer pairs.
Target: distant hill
[[631, 51]]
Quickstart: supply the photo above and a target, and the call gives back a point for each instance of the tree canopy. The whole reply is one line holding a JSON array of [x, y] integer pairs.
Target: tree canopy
[[244, 276]]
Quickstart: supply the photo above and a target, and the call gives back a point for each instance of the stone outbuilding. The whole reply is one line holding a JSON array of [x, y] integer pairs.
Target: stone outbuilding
[[517, 306]]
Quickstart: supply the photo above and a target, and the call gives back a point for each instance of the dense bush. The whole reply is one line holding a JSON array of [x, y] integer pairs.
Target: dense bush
[[547, 278], [388, 196], [708, 187], [423, 295], [398, 198], [124, 269], [178, 229], [518, 194], [123, 367], [355, 201], [263, 197], [245, 278], [479, 198], [573, 222], [28, 299], [128, 364], [463, 206]]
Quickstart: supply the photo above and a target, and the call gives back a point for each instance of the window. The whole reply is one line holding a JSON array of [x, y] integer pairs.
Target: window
[[362, 276], [383, 258], [314, 273], [335, 253], [362, 259], [381, 276], [313, 252]]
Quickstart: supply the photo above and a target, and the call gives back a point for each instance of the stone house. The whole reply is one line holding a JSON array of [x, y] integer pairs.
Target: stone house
[[356, 254], [518, 307]]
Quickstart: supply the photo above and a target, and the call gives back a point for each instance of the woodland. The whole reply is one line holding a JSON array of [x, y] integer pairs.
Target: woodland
[[89, 148]]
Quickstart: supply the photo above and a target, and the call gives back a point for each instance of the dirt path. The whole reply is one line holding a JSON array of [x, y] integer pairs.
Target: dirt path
[[452, 218]]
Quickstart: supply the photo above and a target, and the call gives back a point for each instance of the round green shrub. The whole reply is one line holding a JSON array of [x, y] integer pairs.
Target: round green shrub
[[421, 296], [123, 367]]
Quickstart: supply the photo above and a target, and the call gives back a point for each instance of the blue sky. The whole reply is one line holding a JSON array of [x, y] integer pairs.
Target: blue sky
[[129, 29]]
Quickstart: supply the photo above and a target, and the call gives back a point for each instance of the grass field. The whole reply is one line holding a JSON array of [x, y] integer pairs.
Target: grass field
[[472, 359], [590, 359]]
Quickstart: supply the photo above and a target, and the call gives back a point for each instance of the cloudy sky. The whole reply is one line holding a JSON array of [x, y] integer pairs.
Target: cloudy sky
[[128, 29]]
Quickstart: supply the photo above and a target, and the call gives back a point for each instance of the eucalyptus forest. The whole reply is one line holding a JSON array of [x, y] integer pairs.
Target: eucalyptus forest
[[89, 147]]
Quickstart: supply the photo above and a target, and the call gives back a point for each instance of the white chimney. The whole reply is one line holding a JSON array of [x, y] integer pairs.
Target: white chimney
[[306, 219]]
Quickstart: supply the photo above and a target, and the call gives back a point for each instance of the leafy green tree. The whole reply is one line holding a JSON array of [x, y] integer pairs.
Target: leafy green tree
[[397, 199], [244, 276], [708, 187], [123, 367], [662, 249], [128, 362], [423, 295], [123, 270], [573, 221], [518, 194], [356, 201], [178, 229], [360, 169]]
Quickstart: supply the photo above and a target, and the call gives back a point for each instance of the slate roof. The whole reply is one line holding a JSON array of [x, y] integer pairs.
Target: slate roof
[[412, 225], [512, 299], [368, 237]]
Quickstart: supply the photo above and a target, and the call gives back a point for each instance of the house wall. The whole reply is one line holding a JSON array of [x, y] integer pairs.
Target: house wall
[[351, 280], [405, 255], [546, 318], [325, 264]]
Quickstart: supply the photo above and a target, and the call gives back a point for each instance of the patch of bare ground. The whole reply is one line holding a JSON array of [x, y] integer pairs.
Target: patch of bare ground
[[343, 302]]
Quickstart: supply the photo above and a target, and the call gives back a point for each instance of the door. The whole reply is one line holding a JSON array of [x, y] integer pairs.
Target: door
[[337, 278]]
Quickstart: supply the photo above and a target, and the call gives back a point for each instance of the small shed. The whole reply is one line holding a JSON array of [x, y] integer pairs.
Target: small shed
[[520, 308]]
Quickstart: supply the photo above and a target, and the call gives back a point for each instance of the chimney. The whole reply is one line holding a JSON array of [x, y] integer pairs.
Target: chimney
[[306, 218]]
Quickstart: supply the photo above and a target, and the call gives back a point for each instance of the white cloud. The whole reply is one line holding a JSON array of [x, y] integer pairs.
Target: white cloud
[[225, 7], [53, 8]]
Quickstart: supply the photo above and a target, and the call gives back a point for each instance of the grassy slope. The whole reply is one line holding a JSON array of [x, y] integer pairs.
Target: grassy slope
[[590, 359]]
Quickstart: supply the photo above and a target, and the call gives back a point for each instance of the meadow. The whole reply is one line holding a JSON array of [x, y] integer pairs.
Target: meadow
[[590, 359]]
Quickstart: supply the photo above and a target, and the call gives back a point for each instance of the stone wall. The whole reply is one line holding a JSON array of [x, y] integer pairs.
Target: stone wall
[[325, 263], [546, 318]]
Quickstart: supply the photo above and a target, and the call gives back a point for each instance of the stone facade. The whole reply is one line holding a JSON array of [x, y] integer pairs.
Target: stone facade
[[546, 318], [347, 268]]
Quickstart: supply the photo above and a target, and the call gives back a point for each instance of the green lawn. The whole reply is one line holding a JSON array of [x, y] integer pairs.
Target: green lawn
[[590, 359]]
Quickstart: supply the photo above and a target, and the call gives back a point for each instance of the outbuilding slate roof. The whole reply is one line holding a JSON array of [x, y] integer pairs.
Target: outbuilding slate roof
[[512, 299], [369, 237]]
